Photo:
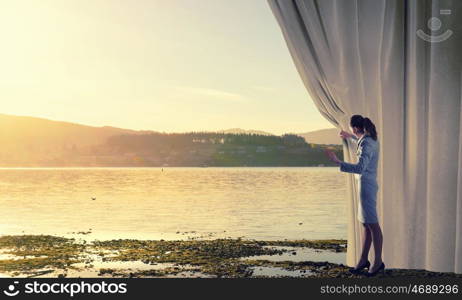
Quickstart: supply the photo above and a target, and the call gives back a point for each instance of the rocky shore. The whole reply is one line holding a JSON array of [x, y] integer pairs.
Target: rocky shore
[[52, 256]]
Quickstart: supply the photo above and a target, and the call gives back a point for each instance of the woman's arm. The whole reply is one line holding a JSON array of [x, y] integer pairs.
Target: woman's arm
[[364, 158]]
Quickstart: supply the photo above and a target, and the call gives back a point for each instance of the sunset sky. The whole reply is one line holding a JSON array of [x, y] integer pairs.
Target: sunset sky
[[166, 65]]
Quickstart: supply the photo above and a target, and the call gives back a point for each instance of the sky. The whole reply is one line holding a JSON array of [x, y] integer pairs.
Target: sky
[[164, 65]]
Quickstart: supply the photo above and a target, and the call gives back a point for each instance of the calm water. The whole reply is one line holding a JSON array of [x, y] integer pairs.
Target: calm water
[[259, 203]]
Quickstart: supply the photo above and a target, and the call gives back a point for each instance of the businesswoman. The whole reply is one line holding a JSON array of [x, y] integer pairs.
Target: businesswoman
[[367, 150]]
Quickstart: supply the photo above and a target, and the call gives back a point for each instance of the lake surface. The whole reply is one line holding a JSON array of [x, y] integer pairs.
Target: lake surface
[[176, 203]]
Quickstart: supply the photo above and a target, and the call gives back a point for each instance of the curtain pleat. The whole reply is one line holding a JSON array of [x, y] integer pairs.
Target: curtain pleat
[[365, 57], [458, 251]]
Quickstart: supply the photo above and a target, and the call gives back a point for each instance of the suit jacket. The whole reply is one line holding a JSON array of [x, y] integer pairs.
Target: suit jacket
[[368, 157]]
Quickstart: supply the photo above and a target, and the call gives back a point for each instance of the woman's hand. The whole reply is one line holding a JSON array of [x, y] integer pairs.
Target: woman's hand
[[345, 135], [331, 155]]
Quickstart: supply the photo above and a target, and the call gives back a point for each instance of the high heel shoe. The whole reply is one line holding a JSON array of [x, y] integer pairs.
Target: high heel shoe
[[380, 269], [360, 268]]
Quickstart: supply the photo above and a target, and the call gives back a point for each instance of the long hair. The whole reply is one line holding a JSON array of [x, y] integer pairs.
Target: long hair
[[365, 125]]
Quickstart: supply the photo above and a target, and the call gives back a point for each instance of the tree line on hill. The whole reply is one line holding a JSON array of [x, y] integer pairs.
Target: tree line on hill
[[178, 149]]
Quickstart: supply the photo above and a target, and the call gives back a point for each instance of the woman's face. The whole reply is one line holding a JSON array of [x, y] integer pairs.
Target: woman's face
[[354, 130]]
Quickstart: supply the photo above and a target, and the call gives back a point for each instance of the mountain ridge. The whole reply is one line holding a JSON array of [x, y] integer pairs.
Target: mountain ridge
[[41, 130], [38, 142]]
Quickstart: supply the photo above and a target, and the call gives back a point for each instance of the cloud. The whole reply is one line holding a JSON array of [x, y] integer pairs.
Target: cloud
[[210, 93], [262, 88]]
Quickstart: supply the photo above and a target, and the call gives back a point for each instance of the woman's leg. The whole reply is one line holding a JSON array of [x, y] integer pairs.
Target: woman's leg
[[377, 240], [366, 245]]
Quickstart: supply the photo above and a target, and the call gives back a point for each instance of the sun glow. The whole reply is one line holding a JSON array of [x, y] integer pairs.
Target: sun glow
[[164, 65]]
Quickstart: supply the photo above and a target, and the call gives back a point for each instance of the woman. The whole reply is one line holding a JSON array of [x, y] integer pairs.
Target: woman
[[365, 136]]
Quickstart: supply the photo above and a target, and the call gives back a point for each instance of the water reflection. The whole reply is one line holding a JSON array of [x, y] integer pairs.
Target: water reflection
[[257, 203]]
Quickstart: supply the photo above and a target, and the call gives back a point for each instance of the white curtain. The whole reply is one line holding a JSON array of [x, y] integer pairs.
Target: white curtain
[[399, 63]]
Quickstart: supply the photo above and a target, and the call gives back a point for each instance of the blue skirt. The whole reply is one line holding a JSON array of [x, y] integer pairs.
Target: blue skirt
[[367, 205]]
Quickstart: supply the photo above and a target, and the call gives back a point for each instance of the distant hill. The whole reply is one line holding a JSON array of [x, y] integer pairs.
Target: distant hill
[[323, 137], [244, 131], [37, 142], [31, 131], [211, 149]]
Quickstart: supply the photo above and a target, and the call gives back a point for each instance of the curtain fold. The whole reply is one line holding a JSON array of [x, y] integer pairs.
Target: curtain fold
[[399, 63]]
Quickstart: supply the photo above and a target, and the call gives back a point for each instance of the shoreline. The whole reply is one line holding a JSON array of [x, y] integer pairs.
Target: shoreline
[[158, 167], [59, 257]]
